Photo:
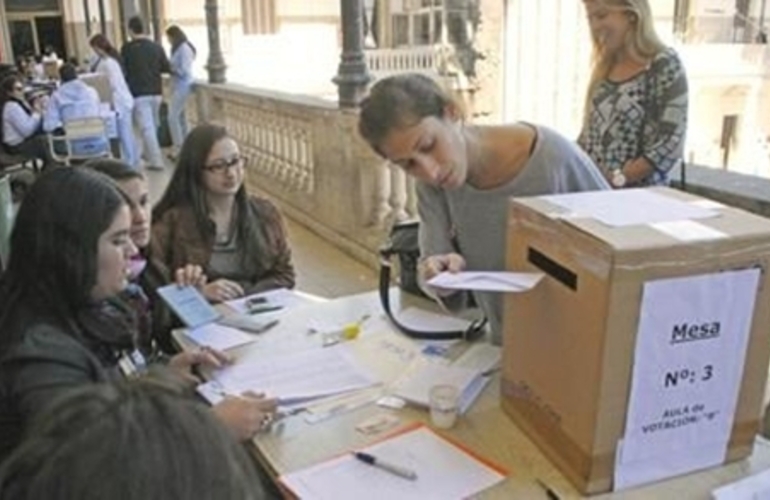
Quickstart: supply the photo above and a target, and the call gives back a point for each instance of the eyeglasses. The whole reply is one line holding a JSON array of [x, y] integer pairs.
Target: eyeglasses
[[222, 165]]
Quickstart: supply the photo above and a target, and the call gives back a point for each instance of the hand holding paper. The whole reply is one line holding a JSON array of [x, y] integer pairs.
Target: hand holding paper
[[487, 281]]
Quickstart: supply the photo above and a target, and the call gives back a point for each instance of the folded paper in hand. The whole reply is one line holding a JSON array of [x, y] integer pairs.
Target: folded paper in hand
[[487, 281]]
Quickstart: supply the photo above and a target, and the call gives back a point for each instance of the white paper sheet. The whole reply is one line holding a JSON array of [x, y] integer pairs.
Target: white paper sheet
[[443, 471], [416, 383], [219, 337], [300, 375], [283, 297], [756, 487], [629, 207], [688, 364], [689, 230], [487, 281]]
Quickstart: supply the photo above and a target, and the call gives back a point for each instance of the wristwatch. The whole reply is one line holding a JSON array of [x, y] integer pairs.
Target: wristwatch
[[618, 179]]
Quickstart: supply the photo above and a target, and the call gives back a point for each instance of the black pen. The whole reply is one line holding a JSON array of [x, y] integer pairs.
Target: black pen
[[548, 491], [380, 464], [263, 309]]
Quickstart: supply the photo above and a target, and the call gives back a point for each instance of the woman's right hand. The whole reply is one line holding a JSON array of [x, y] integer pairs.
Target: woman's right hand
[[247, 414], [433, 265], [222, 290], [190, 275]]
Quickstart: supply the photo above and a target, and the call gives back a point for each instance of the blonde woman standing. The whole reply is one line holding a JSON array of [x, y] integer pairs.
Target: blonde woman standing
[[636, 103]]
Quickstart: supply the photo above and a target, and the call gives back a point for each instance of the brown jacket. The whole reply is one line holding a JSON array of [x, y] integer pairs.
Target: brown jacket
[[176, 242]]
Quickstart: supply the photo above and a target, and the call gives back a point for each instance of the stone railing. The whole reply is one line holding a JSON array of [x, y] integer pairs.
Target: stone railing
[[386, 62], [306, 155]]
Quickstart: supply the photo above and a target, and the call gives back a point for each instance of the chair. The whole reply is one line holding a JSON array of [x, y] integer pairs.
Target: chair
[[6, 219], [77, 135], [12, 163]]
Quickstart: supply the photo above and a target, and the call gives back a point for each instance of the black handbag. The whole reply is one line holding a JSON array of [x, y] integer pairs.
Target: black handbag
[[404, 242]]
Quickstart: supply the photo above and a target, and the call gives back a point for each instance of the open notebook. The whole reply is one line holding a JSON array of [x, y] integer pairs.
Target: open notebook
[[443, 470]]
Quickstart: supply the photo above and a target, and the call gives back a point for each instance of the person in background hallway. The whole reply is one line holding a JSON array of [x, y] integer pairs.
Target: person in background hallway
[[206, 218], [465, 176], [636, 103], [22, 127], [69, 259], [109, 64], [134, 440], [145, 62], [73, 100], [182, 56]]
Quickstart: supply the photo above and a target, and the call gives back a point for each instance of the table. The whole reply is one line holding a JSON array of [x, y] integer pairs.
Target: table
[[293, 444]]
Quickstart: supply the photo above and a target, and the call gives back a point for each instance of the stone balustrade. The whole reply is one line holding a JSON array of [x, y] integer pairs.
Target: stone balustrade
[[386, 62]]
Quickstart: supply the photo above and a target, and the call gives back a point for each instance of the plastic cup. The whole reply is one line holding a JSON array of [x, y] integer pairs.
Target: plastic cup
[[444, 405]]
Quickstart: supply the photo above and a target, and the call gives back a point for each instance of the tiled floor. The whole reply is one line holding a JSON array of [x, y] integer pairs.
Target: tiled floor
[[322, 269]]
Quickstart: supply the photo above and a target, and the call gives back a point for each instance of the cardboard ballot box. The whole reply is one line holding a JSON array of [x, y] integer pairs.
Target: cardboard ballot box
[[643, 353]]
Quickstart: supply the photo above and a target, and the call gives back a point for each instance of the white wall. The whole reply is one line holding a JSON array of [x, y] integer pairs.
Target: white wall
[[546, 53]]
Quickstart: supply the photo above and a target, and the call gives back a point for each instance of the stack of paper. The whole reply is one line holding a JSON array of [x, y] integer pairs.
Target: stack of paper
[[443, 471], [297, 376], [416, 383]]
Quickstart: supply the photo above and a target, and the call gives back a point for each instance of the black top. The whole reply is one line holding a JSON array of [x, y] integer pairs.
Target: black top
[[44, 366], [144, 62]]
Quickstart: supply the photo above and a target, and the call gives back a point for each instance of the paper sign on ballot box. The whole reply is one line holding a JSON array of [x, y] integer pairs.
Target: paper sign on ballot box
[[688, 366]]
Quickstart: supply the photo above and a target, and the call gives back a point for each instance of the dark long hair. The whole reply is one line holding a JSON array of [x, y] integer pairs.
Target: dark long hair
[[99, 41], [53, 261], [178, 37], [140, 439], [186, 189]]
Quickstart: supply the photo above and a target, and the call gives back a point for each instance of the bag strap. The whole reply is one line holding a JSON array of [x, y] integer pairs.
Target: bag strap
[[474, 331]]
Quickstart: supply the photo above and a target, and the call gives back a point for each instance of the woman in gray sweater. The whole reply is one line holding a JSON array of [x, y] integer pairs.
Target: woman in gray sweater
[[465, 176]]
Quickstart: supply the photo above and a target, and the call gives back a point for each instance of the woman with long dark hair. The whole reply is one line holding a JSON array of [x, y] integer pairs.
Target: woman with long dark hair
[[206, 218], [182, 56], [70, 254], [109, 64]]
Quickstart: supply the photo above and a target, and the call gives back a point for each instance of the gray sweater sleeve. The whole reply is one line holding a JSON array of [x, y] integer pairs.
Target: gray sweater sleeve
[[436, 237]]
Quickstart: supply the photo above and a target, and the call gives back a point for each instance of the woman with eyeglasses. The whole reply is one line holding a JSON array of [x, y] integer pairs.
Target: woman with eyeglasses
[[22, 129], [206, 218]]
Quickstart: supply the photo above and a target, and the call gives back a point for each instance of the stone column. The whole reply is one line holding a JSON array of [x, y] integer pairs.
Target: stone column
[[6, 50], [216, 63], [352, 74], [155, 15]]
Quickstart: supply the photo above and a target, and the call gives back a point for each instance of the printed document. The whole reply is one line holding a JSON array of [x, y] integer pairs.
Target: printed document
[[688, 365], [299, 375]]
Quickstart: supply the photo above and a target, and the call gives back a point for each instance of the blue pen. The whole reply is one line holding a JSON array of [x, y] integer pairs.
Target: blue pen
[[386, 466]]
